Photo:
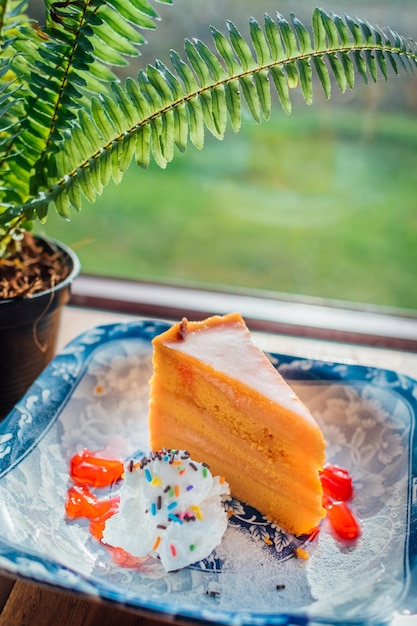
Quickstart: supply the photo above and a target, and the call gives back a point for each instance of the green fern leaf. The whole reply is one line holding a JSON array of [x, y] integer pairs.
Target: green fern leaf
[[33, 142], [181, 126], [137, 99], [171, 81], [225, 51], [8, 104], [281, 85], [303, 35], [90, 131], [288, 37], [264, 92], [184, 73], [343, 31], [116, 171], [233, 104], [367, 32], [167, 135], [114, 54], [371, 64], [94, 171], [125, 104], [62, 206], [391, 57], [156, 147], [144, 7], [338, 72], [213, 64], [74, 195], [86, 183], [305, 73], [319, 32], [348, 67], [101, 120], [323, 74], [207, 109], [160, 84], [382, 63], [132, 14], [259, 42], [121, 27], [196, 122], [356, 32], [292, 74], [360, 65], [81, 143], [42, 211], [73, 156], [251, 97], [99, 74], [241, 48], [379, 55], [331, 30], [105, 167], [196, 62], [114, 113], [151, 94], [143, 146], [274, 40], [219, 107]]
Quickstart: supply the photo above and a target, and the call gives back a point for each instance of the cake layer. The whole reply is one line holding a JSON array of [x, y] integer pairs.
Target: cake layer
[[287, 508], [265, 481], [273, 447]]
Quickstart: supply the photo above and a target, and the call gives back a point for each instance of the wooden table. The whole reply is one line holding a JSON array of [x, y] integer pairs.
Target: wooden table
[[26, 604]]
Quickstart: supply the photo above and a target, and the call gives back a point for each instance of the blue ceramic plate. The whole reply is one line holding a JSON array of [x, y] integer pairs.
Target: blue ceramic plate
[[95, 393]]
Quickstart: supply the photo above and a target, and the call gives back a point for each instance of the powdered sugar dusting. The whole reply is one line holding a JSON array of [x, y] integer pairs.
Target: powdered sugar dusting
[[251, 573]]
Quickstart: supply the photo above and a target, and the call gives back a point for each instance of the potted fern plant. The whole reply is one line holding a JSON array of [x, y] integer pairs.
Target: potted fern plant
[[68, 125]]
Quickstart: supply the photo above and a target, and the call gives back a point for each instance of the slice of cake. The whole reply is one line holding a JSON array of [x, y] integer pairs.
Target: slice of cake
[[215, 394]]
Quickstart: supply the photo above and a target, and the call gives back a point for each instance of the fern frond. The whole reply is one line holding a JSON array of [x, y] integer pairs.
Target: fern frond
[[56, 67], [151, 116]]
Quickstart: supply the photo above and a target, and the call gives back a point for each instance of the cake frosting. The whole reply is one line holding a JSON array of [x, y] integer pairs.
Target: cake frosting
[[216, 394], [171, 508]]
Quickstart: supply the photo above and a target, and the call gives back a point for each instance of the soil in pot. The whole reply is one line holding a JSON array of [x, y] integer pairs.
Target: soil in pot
[[35, 284]]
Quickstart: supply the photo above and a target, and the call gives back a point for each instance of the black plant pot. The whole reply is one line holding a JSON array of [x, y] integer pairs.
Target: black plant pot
[[28, 332]]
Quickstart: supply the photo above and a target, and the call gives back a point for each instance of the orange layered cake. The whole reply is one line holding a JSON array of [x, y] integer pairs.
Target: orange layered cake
[[215, 394]]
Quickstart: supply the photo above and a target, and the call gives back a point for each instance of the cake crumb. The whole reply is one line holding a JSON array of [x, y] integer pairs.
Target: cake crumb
[[300, 553], [183, 329]]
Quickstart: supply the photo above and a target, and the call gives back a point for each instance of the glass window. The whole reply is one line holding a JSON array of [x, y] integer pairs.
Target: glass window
[[320, 203]]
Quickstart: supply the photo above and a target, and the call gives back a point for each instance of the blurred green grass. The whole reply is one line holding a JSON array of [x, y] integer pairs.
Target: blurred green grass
[[292, 205]]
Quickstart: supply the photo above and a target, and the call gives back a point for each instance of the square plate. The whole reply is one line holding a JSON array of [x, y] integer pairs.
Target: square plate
[[94, 395]]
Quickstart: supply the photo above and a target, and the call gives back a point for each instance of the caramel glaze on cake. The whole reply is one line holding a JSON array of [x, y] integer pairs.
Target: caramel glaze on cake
[[215, 394]]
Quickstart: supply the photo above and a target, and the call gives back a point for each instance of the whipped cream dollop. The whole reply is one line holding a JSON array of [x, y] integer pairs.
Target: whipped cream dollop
[[171, 508]]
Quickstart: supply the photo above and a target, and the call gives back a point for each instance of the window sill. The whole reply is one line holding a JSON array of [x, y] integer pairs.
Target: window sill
[[310, 329], [263, 311]]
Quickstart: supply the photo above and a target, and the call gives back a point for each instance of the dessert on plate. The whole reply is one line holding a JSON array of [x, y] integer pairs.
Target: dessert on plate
[[216, 394]]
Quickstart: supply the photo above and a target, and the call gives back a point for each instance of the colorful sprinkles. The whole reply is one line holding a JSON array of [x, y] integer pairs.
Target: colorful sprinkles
[[166, 502]]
